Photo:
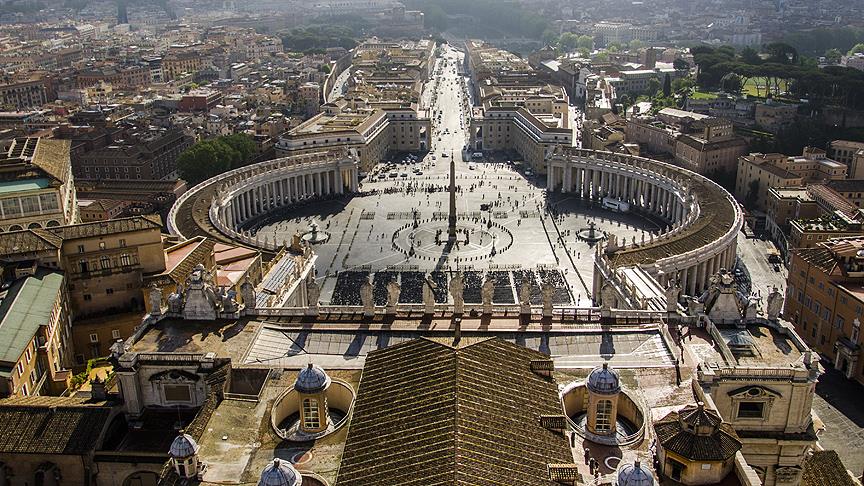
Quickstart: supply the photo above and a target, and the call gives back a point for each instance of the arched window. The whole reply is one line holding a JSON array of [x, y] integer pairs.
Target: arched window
[[33, 226], [604, 414], [311, 420]]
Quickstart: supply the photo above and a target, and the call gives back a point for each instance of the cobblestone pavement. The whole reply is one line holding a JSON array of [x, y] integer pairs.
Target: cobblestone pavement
[[840, 404]]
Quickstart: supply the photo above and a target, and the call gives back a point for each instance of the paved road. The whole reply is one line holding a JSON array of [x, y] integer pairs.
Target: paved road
[[838, 402], [753, 254]]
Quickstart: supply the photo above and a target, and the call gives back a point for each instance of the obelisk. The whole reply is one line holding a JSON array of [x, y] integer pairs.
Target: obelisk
[[451, 220]]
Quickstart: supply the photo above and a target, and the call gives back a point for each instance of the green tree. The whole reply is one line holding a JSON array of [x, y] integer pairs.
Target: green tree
[[653, 86], [732, 83], [202, 161], [856, 49], [833, 56], [667, 85], [682, 84], [568, 41], [625, 101], [750, 56], [681, 65], [636, 44], [585, 42], [243, 144]]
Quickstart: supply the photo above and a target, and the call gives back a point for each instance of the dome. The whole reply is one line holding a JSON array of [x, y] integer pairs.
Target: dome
[[604, 380], [183, 446], [634, 475], [312, 379], [280, 473]]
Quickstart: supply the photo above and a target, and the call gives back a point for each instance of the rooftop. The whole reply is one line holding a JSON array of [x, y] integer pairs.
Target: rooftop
[[440, 392], [26, 305]]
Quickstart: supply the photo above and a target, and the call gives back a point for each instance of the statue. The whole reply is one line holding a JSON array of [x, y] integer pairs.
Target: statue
[[547, 291], [229, 301], [487, 291], [366, 299], [525, 298], [752, 307], [155, 295], [429, 295], [247, 292], [456, 289], [175, 301], [611, 243], [775, 304], [312, 293], [393, 291], [672, 293]]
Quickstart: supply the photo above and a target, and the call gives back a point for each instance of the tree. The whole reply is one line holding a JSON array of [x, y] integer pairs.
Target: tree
[[568, 41], [653, 86], [856, 49], [732, 83], [625, 103], [752, 195], [209, 158], [636, 44], [833, 56], [782, 53], [682, 84], [750, 56], [681, 65], [667, 85], [585, 42]]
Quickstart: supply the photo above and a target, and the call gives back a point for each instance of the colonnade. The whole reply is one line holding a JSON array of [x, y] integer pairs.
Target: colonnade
[[665, 191], [635, 187], [283, 188]]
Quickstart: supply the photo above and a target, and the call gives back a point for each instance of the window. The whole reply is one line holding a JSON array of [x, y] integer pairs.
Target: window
[[109, 291], [751, 409], [104, 262], [311, 420], [94, 338], [125, 261], [24, 389], [122, 243], [87, 297], [20, 369], [115, 333], [839, 322], [101, 245], [177, 393], [604, 414], [80, 248]]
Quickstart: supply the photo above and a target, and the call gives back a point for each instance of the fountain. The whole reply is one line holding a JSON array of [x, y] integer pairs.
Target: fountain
[[591, 234], [314, 236]]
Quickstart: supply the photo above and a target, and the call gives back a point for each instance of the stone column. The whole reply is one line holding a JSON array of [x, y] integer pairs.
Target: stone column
[[340, 186], [319, 186], [568, 179]]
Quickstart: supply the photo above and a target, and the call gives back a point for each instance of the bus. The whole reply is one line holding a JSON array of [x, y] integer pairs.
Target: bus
[[615, 205]]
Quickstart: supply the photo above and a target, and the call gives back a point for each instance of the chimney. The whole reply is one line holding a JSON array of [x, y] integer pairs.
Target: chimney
[[555, 423], [457, 332], [543, 367]]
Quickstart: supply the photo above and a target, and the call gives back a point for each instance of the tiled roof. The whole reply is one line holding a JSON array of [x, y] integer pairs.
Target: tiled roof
[[28, 241], [677, 432], [51, 430], [428, 413], [102, 228], [52, 156], [819, 256], [824, 468]]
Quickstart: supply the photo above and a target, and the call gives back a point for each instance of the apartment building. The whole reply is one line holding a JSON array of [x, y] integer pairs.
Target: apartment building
[[757, 173], [146, 154], [825, 300], [849, 153], [24, 94]]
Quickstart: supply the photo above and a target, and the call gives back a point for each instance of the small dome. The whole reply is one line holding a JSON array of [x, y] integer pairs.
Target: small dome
[[183, 446], [604, 380], [280, 473], [634, 475], [312, 379]]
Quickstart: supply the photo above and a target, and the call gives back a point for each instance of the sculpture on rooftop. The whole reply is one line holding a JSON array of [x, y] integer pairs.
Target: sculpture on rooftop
[[457, 287], [548, 292], [155, 295], [393, 292], [366, 298], [525, 298], [775, 304], [429, 295], [487, 291], [673, 290]]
